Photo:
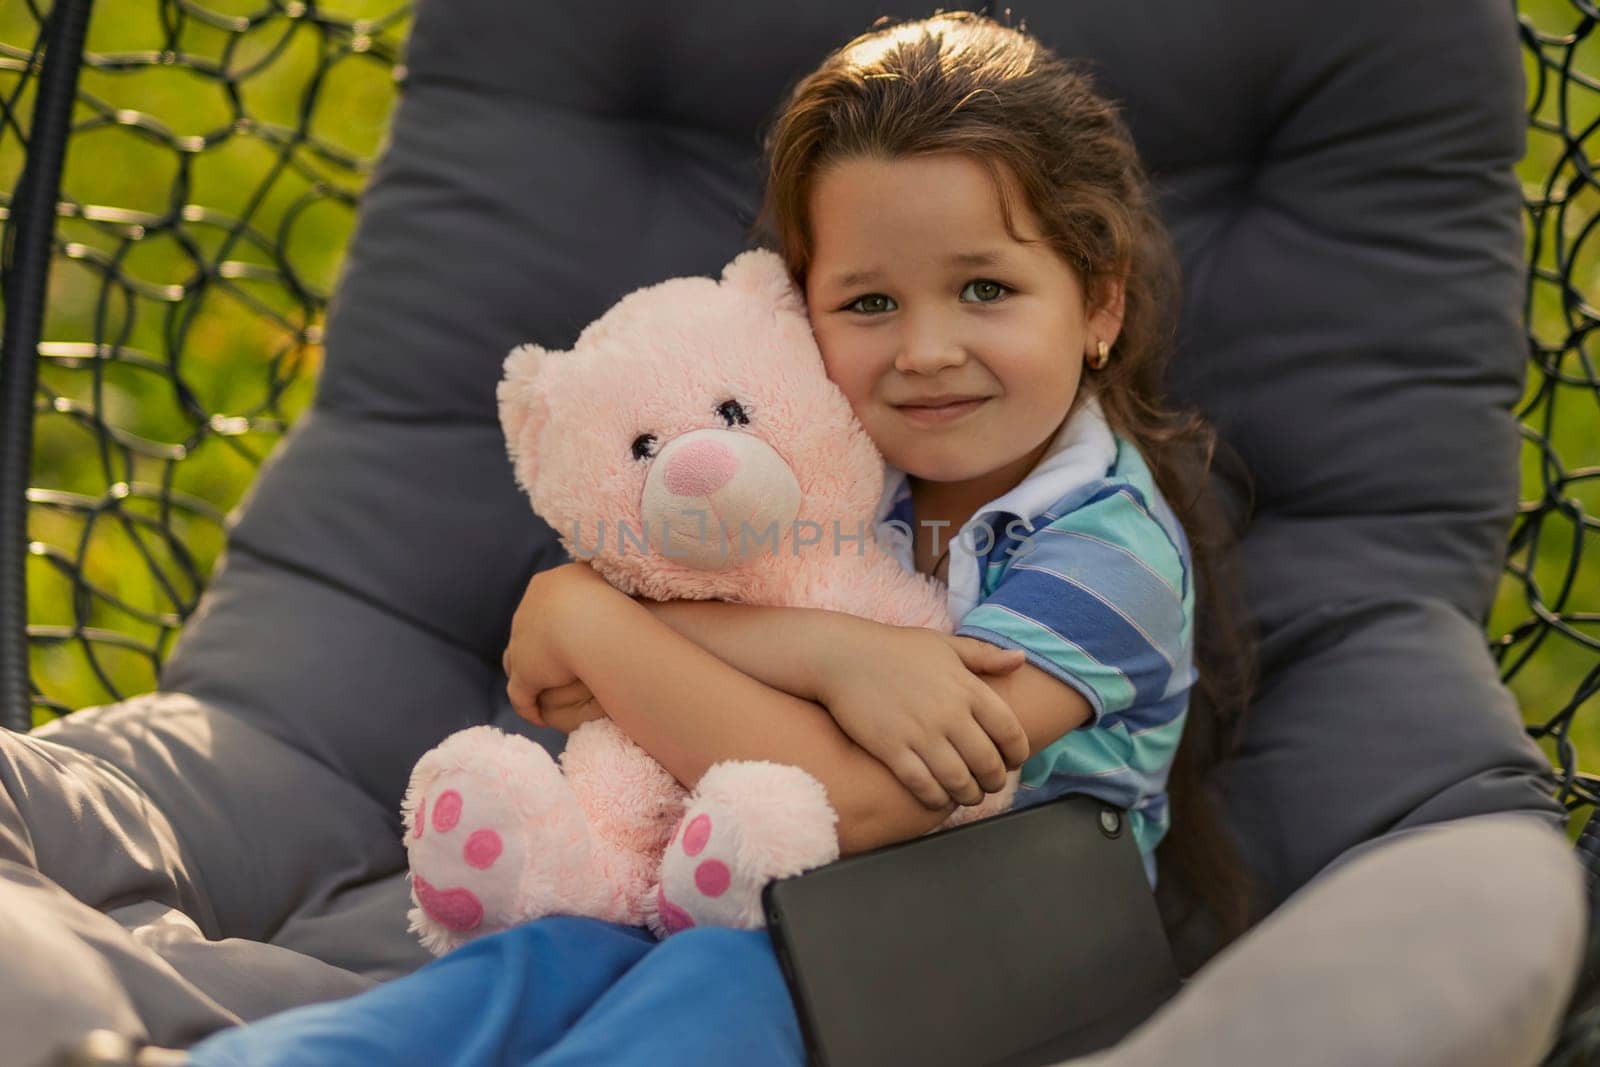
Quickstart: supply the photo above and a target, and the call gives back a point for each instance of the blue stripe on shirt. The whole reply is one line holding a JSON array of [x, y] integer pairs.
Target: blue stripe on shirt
[[1048, 650], [1124, 663]]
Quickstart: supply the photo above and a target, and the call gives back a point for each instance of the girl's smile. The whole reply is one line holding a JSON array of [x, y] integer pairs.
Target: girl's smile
[[938, 412], [959, 346]]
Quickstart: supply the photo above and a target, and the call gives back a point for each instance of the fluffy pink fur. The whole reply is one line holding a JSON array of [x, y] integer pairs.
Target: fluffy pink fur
[[660, 362], [664, 362], [760, 821]]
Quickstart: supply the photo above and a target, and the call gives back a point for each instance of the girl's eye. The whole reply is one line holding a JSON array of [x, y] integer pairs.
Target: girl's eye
[[732, 413], [871, 304], [644, 446], [986, 291]]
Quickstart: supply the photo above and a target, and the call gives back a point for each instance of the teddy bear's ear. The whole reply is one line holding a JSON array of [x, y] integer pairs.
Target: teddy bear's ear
[[523, 412], [763, 273]]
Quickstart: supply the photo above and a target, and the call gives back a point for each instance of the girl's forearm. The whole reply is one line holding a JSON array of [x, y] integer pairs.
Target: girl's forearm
[[690, 709], [785, 648]]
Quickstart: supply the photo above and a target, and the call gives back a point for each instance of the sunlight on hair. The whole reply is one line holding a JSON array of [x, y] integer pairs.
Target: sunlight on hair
[[963, 40], [870, 50]]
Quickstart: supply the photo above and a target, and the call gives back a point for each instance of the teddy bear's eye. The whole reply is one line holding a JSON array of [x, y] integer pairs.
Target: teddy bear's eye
[[733, 413], [644, 446]]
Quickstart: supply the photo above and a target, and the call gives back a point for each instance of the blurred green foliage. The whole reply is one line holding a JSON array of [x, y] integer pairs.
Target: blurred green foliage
[[209, 191], [182, 340]]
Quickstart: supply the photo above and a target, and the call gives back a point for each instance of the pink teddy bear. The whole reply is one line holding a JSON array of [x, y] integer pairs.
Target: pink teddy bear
[[687, 400]]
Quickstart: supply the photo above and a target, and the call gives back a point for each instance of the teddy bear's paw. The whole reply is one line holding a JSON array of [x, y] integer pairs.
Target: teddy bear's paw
[[991, 804], [494, 837], [745, 825]]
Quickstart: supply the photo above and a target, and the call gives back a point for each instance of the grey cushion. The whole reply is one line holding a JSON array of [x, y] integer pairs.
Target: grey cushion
[[1339, 180], [1415, 961]]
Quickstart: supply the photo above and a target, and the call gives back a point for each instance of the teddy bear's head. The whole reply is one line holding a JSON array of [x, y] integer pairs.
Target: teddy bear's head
[[691, 439]]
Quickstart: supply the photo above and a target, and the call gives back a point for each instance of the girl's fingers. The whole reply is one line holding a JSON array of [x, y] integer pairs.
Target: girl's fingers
[[981, 657], [982, 758], [574, 692], [523, 703], [570, 716], [918, 780], [951, 772], [1002, 727]]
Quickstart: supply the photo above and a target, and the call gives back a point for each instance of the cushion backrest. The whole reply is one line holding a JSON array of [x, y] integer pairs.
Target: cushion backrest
[[1339, 181]]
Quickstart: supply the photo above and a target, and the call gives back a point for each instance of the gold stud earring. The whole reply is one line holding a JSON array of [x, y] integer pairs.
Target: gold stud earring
[[1102, 356]]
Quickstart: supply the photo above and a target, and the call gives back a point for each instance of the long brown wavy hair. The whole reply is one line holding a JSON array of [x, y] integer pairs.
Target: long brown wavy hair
[[963, 83]]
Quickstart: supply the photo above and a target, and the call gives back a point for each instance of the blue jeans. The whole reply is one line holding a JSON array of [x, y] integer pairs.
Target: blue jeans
[[556, 991]]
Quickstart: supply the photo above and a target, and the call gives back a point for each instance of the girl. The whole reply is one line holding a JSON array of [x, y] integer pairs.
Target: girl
[[991, 289]]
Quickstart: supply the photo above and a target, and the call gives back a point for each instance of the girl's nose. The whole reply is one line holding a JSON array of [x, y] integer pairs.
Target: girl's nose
[[700, 468], [928, 349]]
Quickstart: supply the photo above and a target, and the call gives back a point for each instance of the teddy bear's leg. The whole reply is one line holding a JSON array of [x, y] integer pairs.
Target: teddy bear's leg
[[632, 804], [495, 837], [745, 825]]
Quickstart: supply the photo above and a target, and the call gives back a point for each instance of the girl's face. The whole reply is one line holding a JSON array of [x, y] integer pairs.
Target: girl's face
[[959, 348]]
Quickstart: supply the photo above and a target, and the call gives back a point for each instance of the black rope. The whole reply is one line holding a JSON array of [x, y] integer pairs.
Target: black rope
[[24, 278], [1547, 620]]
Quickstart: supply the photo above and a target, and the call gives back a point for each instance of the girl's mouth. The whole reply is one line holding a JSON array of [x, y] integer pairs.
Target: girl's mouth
[[939, 415]]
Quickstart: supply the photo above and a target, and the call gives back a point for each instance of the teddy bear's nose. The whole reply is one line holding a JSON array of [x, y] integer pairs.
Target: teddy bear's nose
[[700, 468]]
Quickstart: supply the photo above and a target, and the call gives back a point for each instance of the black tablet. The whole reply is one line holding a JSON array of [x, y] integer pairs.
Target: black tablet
[[1023, 939]]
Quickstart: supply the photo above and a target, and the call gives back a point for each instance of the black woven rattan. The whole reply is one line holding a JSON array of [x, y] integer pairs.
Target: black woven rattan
[[1548, 616], [1554, 564], [182, 330]]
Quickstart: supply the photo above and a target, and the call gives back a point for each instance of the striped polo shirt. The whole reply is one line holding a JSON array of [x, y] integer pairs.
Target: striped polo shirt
[[1085, 568]]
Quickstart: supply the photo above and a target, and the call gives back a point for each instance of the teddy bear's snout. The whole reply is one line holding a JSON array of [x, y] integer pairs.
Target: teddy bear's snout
[[714, 497], [700, 468]]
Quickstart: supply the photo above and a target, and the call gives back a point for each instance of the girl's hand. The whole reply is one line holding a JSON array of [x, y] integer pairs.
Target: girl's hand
[[534, 660], [916, 701], [568, 707]]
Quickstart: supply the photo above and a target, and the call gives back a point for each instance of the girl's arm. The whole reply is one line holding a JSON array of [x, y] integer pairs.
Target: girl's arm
[[909, 696], [689, 709], [787, 648]]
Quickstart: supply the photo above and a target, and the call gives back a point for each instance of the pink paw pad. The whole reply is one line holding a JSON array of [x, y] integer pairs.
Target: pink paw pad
[[697, 834], [447, 811], [694, 876], [482, 849], [712, 878], [673, 918], [454, 909], [450, 855]]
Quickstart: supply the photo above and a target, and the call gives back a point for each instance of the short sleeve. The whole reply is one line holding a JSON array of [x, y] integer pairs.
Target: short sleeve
[[1099, 598]]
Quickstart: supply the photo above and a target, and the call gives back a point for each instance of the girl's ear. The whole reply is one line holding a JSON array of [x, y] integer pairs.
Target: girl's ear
[[1106, 306], [523, 411], [761, 272]]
